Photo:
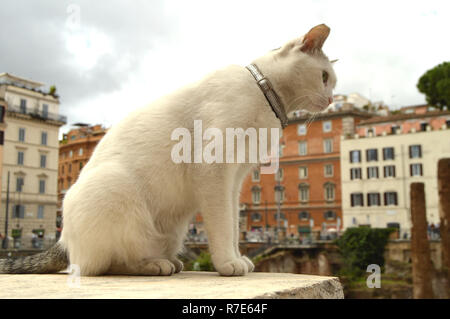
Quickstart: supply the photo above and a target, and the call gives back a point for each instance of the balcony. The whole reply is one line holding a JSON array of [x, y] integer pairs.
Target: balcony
[[38, 114]]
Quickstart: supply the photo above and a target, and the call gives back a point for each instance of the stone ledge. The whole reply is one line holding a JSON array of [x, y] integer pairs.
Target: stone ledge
[[185, 285]]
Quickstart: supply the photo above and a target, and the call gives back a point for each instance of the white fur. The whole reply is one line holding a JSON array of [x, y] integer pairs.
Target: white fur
[[129, 209]]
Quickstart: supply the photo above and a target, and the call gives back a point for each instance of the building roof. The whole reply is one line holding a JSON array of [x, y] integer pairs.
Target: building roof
[[402, 117], [6, 77]]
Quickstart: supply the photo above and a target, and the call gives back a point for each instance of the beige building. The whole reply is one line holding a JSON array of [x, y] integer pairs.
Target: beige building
[[30, 157], [377, 171]]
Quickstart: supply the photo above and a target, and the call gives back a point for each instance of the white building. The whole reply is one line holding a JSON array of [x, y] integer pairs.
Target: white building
[[377, 171], [30, 156]]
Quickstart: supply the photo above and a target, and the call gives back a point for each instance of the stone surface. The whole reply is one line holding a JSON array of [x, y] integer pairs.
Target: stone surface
[[185, 285]]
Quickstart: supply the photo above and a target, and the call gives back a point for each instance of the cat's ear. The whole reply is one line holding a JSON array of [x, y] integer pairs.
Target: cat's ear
[[315, 38]]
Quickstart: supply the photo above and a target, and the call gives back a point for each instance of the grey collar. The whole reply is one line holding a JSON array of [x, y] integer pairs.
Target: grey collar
[[270, 94]]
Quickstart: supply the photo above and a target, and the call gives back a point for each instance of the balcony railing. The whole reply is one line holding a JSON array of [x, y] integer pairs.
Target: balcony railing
[[36, 113]]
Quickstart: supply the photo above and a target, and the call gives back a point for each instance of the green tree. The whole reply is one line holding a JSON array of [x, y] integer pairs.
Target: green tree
[[361, 247], [435, 84]]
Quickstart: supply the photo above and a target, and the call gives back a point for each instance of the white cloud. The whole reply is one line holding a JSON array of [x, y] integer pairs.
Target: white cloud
[[383, 47]]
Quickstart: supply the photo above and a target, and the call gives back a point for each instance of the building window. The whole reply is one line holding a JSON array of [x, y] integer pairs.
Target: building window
[[416, 170], [423, 126], [23, 106], [303, 192], [45, 111], [20, 157], [355, 173], [2, 137], [40, 214], [255, 175], [21, 134], [390, 198], [355, 156], [395, 129], [372, 155], [70, 168], [279, 175], [388, 153], [301, 129], [42, 186], [389, 171], [62, 169], [302, 148], [44, 138], [256, 195], [70, 153], [356, 199], [372, 172], [256, 217], [373, 199], [19, 184], [81, 166], [43, 161], [2, 114], [328, 170], [303, 215], [19, 211], [303, 172], [326, 126], [415, 151], [328, 145], [329, 215], [80, 151], [329, 190]]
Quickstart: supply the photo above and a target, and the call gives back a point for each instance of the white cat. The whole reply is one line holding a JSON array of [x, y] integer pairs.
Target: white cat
[[129, 209]]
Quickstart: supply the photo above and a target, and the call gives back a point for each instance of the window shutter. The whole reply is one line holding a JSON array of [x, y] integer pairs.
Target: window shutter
[[352, 200], [369, 202], [385, 199], [393, 171], [362, 199], [395, 198], [420, 150], [378, 197]]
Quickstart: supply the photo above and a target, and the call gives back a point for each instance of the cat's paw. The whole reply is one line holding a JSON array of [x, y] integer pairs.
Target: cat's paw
[[159, 267], [250, 265], [236, 267], [178, 265]]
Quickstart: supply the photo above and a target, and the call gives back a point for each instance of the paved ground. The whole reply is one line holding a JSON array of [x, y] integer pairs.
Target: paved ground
[[185, 285]]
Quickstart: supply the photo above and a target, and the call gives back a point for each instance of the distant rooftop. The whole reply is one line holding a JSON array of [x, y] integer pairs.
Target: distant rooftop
[[6, 78], [403, 116]]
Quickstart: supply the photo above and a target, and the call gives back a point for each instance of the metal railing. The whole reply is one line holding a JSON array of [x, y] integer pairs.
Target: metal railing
[[37, 113]]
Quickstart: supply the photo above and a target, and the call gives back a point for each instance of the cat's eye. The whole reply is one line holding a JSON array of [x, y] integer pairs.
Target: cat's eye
[[324, 77]]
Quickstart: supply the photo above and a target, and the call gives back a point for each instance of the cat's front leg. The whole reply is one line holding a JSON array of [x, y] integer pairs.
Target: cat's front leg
[[217, 212]]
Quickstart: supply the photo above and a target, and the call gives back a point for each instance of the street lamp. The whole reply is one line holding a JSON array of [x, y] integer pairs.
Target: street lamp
[[278, 193]]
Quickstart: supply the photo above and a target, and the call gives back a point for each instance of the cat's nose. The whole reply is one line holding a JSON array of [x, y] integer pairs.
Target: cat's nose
[[330, 100]]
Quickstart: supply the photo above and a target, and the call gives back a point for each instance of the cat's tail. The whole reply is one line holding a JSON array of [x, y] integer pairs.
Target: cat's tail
[[50, 261]]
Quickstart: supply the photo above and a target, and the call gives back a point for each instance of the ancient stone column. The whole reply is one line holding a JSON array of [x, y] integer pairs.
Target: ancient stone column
[[444, 213], [422, 269]]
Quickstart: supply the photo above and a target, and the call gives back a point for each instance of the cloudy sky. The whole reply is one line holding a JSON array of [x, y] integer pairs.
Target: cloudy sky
[[109, 57]]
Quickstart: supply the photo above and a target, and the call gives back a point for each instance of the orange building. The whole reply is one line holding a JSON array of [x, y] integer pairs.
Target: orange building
[[75, 150], [309, 178]]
